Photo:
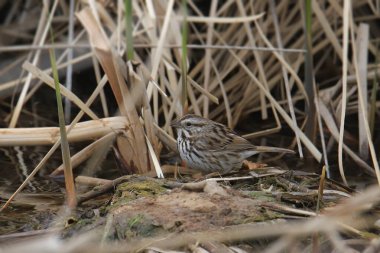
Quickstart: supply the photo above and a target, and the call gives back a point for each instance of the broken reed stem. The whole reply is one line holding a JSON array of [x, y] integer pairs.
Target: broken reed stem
[[83, 131], [56, 144]]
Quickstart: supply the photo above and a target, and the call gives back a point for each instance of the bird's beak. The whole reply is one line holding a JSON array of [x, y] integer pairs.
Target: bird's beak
[[175, 124]]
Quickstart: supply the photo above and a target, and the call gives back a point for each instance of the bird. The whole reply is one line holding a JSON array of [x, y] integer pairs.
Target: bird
[[208, 146]]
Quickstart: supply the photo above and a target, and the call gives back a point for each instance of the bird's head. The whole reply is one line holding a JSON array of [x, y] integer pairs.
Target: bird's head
[[190, 124]]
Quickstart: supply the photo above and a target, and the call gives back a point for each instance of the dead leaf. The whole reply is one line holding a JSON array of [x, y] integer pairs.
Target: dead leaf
[[253, 166]]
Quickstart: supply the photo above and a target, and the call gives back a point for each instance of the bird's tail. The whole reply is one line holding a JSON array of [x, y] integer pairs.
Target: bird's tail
[[273, 149]]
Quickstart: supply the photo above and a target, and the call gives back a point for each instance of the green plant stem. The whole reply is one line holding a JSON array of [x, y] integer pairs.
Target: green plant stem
[[310, 128], [128, 29], [184, 58], [69, 179]]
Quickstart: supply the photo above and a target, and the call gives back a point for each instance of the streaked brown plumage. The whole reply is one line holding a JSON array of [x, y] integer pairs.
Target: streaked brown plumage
[[208, 146]]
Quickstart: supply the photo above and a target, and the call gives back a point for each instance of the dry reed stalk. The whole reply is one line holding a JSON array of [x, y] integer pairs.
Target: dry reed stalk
[[65, 92], [88, 151], [362, 56], [55, 146], [330, 123], [346, 16], [83, 131], [363, 106], [285, 76], [40, 38], [108, 59], [4, 87]]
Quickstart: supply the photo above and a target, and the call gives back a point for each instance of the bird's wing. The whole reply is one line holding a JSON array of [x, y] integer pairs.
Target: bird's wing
[[239, 144], [229, 141]]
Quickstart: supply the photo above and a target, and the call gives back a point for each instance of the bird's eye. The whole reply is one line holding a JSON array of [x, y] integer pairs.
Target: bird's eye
[[188, 124]]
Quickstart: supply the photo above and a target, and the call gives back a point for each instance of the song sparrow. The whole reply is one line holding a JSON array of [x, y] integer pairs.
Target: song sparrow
[[208, 146]]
